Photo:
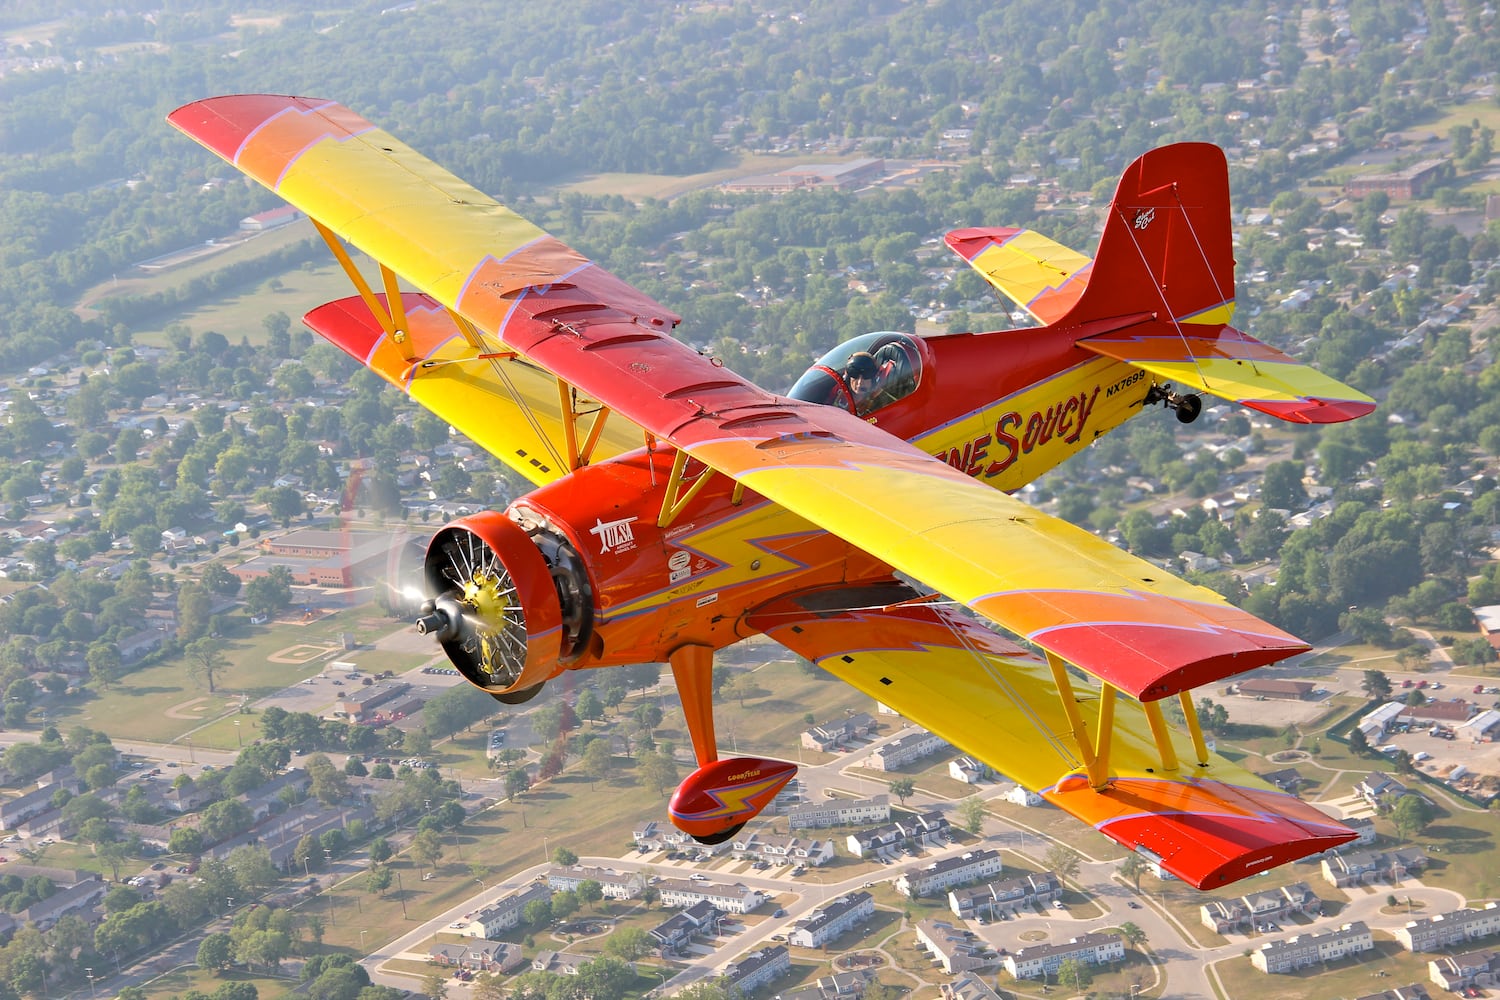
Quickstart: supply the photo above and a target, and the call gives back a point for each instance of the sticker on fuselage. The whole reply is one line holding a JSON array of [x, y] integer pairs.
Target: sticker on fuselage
[[679, 566], [614, 536], [706, 600]]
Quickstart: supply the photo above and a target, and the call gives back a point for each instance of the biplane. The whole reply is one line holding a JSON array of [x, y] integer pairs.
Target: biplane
[[863, 519]]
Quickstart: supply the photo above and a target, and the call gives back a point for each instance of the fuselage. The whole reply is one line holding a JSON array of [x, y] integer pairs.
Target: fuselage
[[1003, 407]]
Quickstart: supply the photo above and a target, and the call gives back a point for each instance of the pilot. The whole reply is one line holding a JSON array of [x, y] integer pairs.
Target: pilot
[[868, 377]]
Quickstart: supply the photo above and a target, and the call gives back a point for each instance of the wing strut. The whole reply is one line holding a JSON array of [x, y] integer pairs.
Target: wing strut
[[1095, 752]]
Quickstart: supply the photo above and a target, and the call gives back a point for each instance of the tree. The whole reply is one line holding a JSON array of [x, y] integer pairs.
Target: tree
[[1063, 860], [379, 880], [657, 770], [380, 851], [971, 814], [628, 944], [427, 848], [903, 788], [1410, 815], [563, 857], [206, 659], [590, 892], [1132, 868], [537, 913], [216, 953], [1074, 975], [1376, 684], [1132, 934], [517, 781], [597, 761], [435, 987]]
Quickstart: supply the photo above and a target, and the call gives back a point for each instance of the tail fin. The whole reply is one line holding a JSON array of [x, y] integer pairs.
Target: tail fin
[[1166, 254], [1166, 247]]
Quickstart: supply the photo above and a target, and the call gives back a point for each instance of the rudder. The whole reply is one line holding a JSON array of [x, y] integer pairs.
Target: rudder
[[1166, 246]]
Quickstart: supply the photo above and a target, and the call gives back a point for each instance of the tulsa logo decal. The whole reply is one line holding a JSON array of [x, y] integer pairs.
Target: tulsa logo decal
[[614, 536]]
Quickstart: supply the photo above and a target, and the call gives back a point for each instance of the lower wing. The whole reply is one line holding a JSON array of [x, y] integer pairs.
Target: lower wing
[[1207, 821]]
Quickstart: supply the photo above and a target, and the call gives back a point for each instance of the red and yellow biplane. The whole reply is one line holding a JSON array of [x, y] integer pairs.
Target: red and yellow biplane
[[678, 508]]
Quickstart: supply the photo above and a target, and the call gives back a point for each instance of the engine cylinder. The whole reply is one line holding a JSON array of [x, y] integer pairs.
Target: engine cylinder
[[493, 603]]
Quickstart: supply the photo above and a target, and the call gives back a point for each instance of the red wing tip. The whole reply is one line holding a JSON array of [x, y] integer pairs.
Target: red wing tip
[[1149, 662], [222, 123], [1314, 411], [968, 242]]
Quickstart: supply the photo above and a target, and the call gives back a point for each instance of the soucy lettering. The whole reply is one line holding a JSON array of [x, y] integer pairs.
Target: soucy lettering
[[1017, 434]]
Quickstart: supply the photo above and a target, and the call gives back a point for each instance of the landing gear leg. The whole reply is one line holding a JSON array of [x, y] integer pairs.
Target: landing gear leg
[[718, 798], [1187, 405]]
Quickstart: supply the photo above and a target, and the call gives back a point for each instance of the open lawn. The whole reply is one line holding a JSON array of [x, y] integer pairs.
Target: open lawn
[[181, 980], [1350, 977], [1055, 825], [163, 703], [637, 186]]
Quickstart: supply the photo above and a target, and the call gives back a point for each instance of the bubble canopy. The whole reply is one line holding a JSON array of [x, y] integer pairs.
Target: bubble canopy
[[864, 374]]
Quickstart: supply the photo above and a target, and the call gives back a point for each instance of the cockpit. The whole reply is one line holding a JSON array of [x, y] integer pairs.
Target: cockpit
[[864, 374]]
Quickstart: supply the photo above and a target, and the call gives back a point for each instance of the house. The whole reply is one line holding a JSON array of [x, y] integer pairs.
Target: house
[[1474, 968], [781, 850], [840, 812], [906, 750], [968, 986], [1022, 796], [1364, 867], [559, 963], [1007, 897], [750, 972], [1287, 779], [1224, 915], [44, 914], [968, 770], [505, 912], [1453, 713], [1415, 991], [1443, 930], [614, 885], [673, 935], [827, 922], [1040, 959], [492, 956], [954, 948], [839, 986], [925, 829], [945, 873], [1299, 950], [1380, 790], [735, 898], [828, 736]]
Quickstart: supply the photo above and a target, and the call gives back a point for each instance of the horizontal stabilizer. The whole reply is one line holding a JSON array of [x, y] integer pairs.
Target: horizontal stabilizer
[[1040, 275], [1233, 365]]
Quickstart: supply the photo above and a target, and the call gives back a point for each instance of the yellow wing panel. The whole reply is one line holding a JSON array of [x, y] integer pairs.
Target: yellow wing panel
[[1209, 822], [1038, 274]]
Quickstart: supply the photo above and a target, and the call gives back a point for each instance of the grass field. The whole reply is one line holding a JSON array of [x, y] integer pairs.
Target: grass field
[[1350, 977], [162, 702]]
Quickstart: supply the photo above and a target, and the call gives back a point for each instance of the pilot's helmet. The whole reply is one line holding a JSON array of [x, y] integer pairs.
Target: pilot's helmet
[[861, 365]]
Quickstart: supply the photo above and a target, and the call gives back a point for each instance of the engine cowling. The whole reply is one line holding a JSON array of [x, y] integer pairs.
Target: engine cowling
[[494, 605]]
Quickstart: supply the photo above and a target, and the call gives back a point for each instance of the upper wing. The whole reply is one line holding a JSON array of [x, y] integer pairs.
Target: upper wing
[[502, 402], [518, 289], [1040, 275], [1210, 823], [1223, 361]]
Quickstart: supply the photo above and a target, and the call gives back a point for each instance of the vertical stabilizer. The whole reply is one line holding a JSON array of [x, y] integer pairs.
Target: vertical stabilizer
[[1166, 244]]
